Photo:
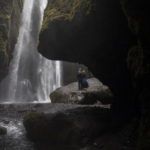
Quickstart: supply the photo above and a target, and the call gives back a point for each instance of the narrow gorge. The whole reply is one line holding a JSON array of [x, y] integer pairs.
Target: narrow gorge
[[41, 44]]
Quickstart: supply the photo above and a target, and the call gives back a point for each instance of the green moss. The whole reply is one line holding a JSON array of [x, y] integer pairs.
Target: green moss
[[4, 16], [138, 60], [10, 13], [32, 116], [57, 97], [66, 9]]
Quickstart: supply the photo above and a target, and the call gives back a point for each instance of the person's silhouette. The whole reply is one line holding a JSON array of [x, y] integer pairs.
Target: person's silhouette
[[79, 77]]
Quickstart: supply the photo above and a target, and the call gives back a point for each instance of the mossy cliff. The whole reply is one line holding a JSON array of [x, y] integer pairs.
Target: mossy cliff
[[10, 13], [91, 32], [138, 60]]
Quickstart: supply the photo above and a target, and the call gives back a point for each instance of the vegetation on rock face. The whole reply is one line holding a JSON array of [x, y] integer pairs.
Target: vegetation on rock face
[[66, 9], [10, 13], [138, 16], [59, 97], [138, 60]]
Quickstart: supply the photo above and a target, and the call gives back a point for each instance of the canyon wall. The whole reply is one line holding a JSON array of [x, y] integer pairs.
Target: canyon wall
[[91, 32], [138, 60], [112, 42], [10, 14], [112, 39]]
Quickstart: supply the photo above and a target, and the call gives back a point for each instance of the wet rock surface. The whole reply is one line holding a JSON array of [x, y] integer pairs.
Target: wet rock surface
[[70, 93], [87, 120], [16, 138], [68, 127]]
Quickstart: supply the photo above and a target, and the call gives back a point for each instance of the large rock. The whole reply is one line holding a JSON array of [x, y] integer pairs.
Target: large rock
[[93, 33], [3, 131], [70, 93], [68, 127]]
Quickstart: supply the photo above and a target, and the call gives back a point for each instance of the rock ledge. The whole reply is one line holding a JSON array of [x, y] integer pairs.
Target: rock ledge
[[70, 93]]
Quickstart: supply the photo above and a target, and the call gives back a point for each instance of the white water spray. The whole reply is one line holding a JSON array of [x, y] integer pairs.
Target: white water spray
[[31, 76]]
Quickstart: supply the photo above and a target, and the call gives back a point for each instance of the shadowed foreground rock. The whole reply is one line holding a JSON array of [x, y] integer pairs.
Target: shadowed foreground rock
[[70, 93], [3, 131], [68, 127]]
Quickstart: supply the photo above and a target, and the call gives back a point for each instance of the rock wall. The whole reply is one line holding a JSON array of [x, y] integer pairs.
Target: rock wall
[[93, 33], [138, 60], [10, 13]]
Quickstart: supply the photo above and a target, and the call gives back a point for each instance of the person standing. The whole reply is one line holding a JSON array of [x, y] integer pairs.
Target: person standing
[[79, 77], [85, 84]]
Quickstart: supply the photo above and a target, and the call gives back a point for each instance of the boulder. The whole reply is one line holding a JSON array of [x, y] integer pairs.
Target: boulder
[[3, 131], [68, 127], [70, 93]]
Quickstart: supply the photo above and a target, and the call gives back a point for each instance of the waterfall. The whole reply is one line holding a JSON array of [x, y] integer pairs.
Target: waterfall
[[31, 76]]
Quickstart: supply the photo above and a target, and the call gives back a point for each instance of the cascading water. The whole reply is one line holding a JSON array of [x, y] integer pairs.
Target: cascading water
[[31, 76]]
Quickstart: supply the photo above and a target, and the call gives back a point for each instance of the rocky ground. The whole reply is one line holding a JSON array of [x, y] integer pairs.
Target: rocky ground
[[113, 138], [95, 92]]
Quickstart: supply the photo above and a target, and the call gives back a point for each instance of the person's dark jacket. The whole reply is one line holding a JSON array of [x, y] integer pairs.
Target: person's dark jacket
[[83, 75], [79, 75]]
